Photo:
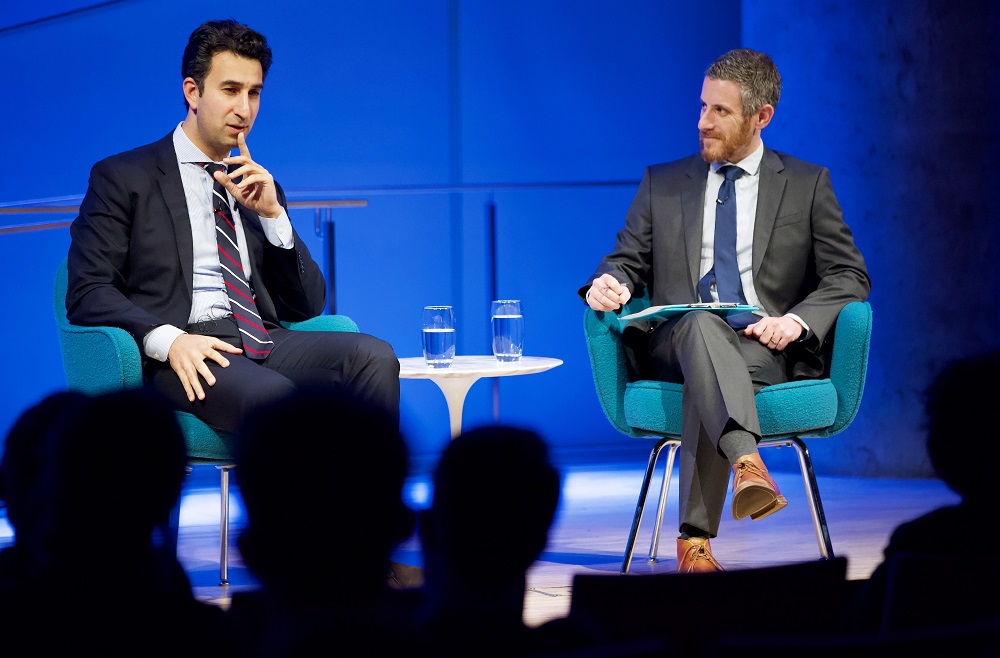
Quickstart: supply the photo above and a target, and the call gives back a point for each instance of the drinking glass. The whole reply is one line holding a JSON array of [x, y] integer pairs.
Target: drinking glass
[[508, 330], [439, 336]]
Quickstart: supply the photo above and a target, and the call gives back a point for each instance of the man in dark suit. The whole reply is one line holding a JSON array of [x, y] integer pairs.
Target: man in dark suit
[[144, 255], [795, 259]]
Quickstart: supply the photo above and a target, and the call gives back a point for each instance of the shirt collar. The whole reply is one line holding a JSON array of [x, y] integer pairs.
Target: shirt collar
[[186, 151], [749, 164]]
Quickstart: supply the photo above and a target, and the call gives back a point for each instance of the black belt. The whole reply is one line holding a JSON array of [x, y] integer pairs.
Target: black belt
[[209, 326]]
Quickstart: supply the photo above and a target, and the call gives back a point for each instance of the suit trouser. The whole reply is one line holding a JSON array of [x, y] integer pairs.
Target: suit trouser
[[720, 369], [365, 365]]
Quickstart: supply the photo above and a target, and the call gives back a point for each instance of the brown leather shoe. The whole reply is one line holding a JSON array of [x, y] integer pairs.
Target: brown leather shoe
[[694, 555], [754, 492]]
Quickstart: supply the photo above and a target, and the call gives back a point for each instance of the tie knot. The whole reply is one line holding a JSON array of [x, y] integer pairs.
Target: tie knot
[[211, 168], [731, 172]]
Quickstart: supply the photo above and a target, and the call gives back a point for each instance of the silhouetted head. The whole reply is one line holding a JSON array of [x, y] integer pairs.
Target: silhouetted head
[[117, 469], [961, 428], [322, 462], [27, 455], [495, 497]]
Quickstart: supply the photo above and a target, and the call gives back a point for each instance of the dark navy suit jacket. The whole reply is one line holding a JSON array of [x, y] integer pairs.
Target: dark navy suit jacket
[[131, 257]]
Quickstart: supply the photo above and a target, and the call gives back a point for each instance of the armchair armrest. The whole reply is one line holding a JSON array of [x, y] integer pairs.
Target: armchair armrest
[[323, 323], [607, 361], [99, 359], [95, 359]]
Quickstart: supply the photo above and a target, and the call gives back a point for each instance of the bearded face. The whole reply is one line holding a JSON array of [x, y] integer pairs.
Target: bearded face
[[724, 134], [727, 144]]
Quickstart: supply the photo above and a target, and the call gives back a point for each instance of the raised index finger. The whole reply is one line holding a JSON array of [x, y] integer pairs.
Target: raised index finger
[[241, 141]]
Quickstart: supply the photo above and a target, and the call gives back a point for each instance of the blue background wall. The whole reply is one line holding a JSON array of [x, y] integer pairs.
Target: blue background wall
[[434, 110]]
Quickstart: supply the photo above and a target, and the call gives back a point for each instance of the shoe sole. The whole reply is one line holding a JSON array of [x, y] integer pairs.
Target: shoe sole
[[779, 503], [754, 500]]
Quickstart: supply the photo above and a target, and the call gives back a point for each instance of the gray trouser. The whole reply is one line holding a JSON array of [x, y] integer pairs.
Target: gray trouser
[[721, 369]]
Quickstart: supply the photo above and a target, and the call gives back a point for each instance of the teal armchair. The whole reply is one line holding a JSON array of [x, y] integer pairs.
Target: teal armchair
[[788, 412], [100, 359]]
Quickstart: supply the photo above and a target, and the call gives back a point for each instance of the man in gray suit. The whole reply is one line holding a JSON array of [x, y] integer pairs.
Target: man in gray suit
[[795, 260]]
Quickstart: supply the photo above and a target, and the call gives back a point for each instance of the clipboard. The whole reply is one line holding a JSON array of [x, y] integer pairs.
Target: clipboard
[[670, 310]]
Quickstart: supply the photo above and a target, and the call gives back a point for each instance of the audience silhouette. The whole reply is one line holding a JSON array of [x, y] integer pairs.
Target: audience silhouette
[[88, 480], [928, 577], [25, 457], [495, 496], [321, 524], [110, 471]]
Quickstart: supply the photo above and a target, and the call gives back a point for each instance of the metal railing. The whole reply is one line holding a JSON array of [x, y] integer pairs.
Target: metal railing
[[323, 226], [25, 209], [322, 202]]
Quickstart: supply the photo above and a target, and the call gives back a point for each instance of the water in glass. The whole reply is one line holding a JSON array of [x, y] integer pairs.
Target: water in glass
[[439, 336], [508, 330], [439, 347]]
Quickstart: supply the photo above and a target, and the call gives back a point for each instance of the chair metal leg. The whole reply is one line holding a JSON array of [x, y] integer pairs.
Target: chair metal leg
[[224, 525], [637, 519], [654, 545], [808, 477], [812, 493]]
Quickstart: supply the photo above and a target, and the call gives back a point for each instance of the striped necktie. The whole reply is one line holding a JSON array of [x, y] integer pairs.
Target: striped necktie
[[256, 343]]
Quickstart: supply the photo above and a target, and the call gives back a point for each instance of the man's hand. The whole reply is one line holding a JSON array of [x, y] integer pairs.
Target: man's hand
[[187, 358], [607, 294], [776, 333], [256, 191]]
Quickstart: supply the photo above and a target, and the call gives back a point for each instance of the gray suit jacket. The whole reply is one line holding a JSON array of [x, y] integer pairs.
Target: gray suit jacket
[[804, 257]]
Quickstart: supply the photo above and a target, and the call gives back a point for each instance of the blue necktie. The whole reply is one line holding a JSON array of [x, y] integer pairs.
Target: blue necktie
[[725, 269]]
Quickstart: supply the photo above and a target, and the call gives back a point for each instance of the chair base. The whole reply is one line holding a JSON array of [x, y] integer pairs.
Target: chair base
[[808, 477]]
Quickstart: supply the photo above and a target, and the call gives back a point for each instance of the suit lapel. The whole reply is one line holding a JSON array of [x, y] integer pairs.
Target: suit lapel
[[769, 191], [693, 211], [173, 196]]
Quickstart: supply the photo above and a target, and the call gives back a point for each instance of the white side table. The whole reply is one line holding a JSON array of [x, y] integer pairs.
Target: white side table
[[456, 380]]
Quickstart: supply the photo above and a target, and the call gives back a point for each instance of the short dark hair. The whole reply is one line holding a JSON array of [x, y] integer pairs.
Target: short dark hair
[[754, 72], [212, 37]]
